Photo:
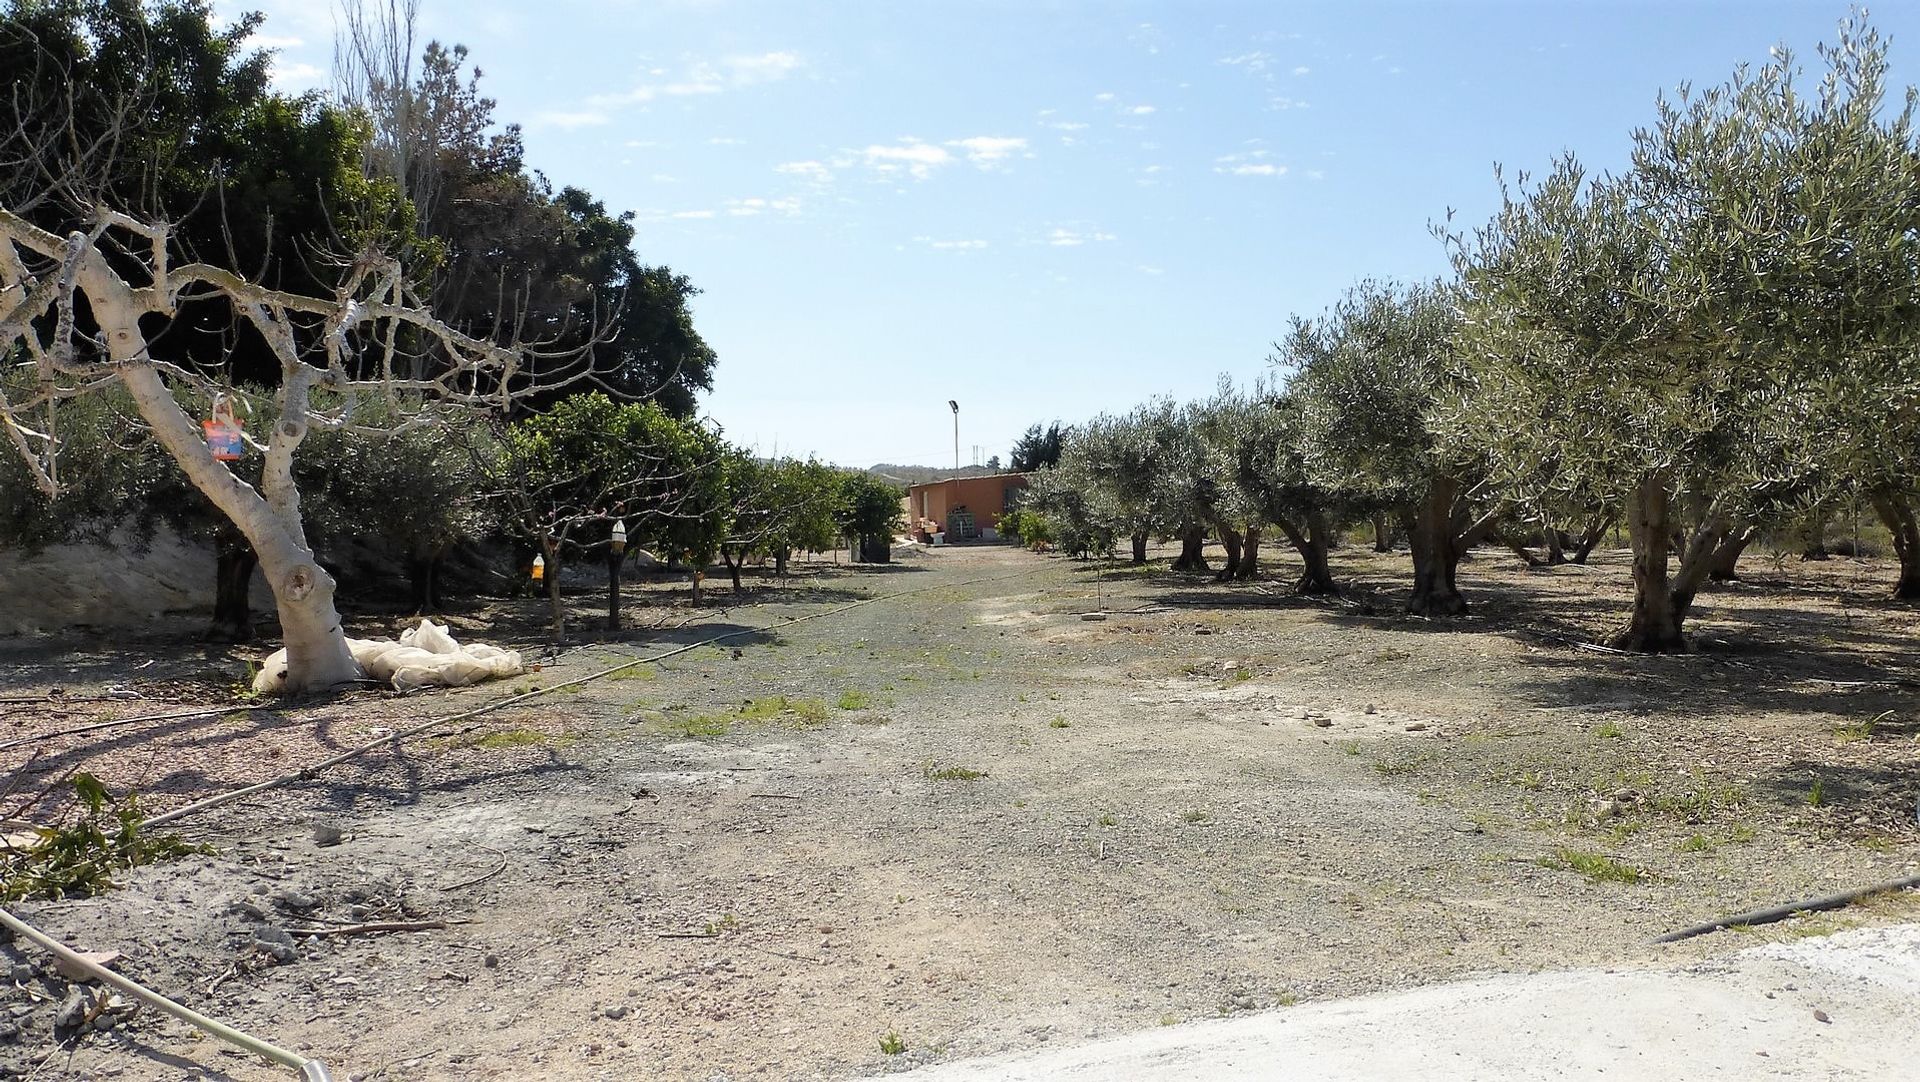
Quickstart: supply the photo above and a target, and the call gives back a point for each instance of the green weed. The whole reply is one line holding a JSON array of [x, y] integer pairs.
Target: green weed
[[1817, 794], [934, 772], [1608, 730], [892, 1044], [1058, 723], [853, 700], [1597, 867]]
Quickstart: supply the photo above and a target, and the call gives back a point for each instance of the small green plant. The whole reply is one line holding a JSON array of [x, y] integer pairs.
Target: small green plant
[[892, 1044], [1394, 768], [853, 700], [79, 859], [1697, 843], [1194, 815], [934, 772], [510, 738], [1531, 780], [1608, 730], [1817, 794], [1287, 999], [1107, 820], [1597, 867], [1238, 676], [727, 923], [1058, 723], [1860, 730]]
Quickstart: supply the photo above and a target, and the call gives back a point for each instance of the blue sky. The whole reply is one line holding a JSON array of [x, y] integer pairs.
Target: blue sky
[[1048, 210]]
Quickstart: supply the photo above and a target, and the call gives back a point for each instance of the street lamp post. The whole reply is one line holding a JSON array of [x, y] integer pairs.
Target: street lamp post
[[616, 556], [955, 406]]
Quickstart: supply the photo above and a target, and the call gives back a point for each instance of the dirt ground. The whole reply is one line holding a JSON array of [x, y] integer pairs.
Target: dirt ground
[[966, 819]]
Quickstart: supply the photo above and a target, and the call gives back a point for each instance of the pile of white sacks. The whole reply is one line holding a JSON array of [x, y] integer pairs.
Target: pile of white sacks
[[427, 656]]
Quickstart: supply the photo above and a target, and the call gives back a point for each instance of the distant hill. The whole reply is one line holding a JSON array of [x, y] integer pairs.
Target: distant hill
[[920, 475]]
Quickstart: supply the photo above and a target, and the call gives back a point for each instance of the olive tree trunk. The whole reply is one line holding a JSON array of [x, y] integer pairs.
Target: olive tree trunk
[[1309, 539], [1896, 510], [1230, 540], [1140, 547], [1193, 549], [1662, 598], [1248, 566], [1597, 528]]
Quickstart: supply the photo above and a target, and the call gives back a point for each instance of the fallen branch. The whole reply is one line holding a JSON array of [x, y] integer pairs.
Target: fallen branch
[[688, 935], [474, 882], [380, 926], [310, 1069]]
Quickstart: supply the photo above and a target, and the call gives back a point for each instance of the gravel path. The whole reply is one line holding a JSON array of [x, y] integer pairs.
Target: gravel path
[[969, 820]]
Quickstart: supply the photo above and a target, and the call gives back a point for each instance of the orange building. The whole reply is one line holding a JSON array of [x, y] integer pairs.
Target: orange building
[[962, 508]]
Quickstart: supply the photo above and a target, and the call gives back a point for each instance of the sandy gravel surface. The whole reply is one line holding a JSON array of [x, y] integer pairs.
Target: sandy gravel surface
[[972, 821]]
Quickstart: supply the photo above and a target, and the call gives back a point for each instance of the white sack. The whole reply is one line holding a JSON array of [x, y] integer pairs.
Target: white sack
[[425, 656]]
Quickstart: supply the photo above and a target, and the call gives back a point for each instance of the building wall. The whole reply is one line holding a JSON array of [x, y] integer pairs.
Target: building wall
[[985, 497]]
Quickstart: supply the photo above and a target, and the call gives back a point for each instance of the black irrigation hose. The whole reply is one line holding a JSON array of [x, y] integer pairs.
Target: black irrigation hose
[[118, 722], [306, 773], [1782, 912]]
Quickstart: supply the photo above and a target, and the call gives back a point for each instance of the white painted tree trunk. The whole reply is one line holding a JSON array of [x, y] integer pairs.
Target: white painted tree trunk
[[317, 654]]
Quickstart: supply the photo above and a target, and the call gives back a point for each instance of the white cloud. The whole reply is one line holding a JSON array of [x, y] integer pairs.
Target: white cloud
[[1103, 96], [731, 73], [811, 170], [1254, 169], [1253, 61], [910, 155], [297, 76], [987, 151], [1141, 110], [952, 245], [1062, 237], [747, 208], [1302, 70], [274, 41], [725, 141], [1315, 174], [1067, 125], [1145, 269], [569, 121], [692, 214], [763, 68], [1286, 103]]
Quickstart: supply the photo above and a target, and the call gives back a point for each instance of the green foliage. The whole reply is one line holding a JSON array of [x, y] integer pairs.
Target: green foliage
[[79, 859], [868, 507], [1037, 448], [892, 1044], [1597, 867], [566, 474]]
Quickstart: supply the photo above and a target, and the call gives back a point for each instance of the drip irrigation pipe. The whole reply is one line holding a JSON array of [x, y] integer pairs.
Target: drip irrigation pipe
[[311, 1070], [117, 722], [308, 772], [1782, 912]]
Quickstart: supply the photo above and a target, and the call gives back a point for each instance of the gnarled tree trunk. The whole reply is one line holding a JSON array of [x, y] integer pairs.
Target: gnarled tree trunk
[[1309, 539], [1896, 510], [1230, 540], [1248, 566], [1437, 537], [1140, 547], [1724, 566], [1662, 600], [1193, 549], [1382, 532], [1597, 528]]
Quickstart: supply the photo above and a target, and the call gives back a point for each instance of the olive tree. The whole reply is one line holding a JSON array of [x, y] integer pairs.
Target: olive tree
[[1698, 324], [1367, 377]]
